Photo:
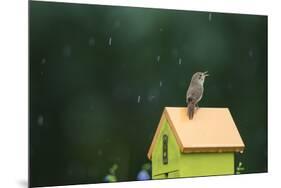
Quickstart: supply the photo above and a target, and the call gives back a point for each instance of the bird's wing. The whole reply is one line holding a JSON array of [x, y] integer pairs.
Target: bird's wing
[[194, 93]]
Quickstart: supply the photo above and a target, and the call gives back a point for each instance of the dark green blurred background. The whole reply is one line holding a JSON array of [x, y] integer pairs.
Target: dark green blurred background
[[100, 77]]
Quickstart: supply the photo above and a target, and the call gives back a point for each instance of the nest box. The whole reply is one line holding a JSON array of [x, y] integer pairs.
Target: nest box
[[202, 146]]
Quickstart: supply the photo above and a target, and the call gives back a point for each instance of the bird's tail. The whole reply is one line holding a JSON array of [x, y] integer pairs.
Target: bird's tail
[[190, 108]]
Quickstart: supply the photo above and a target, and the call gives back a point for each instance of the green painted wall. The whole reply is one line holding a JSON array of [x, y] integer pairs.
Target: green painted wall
[[174, 154], [174, 174], [206, 164], [187, 164], [159, 176]]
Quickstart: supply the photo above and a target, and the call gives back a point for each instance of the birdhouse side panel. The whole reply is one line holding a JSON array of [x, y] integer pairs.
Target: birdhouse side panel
[[159, 176], [206, 164], [175, 174], [166, 142]]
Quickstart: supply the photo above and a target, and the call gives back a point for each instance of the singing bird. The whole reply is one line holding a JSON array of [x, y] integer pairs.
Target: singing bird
[[195, 92]]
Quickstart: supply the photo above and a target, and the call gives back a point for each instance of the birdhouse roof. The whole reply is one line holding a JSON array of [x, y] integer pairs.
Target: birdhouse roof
[[210, 130]]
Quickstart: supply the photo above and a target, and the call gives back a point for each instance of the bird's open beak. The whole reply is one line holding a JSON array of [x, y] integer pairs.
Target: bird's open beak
[[206, 74]]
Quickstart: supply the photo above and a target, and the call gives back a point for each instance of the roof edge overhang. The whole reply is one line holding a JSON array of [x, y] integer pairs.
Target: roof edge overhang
[[152, 145], [164, 116], [197, 149], [214, 149]]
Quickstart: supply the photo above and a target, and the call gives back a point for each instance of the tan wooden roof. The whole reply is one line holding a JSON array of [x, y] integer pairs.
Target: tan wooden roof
[[210, 130]]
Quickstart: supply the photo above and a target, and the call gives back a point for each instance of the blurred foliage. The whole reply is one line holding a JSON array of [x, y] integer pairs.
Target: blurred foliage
[[100, 77], [113, 169], [111, 177], [146, 166], [240, 168], [144, 172]]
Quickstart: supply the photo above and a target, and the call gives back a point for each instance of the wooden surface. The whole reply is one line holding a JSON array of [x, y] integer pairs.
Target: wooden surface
[[211, 130]]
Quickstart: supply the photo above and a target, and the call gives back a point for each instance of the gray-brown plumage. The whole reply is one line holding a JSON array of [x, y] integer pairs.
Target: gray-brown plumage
[[195, 92]]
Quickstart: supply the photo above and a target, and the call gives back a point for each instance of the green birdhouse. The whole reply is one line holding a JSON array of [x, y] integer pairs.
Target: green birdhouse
[[203, 146]]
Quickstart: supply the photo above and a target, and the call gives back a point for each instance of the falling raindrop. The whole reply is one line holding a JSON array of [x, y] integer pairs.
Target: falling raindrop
[[41, 73], [175, 52], [160, 83], [210, 17], [158, 58], [40, 120], [43, 61], [151, 97], [251, 53], [92, 41], [100, 152], [91, 107], [153, 93], [67, 51], [161, 29], [109, 41], [139, 98], [229, 86], [179, 61], [117, 24]]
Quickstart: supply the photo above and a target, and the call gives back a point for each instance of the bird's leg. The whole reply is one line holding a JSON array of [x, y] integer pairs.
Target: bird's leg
[[196, 106]]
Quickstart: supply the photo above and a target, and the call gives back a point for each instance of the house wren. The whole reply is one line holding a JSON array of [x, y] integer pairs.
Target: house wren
[[195, 92]]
